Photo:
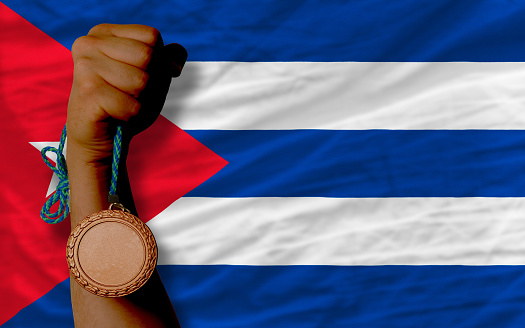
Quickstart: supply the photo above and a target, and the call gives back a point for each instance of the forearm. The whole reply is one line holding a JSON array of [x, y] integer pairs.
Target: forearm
[[150, 306]]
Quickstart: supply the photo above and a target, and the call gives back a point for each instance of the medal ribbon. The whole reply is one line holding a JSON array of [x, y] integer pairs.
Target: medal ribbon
[[61, 195]]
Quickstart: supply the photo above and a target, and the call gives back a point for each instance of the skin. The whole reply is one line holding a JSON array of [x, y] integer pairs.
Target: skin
[[122, 74]]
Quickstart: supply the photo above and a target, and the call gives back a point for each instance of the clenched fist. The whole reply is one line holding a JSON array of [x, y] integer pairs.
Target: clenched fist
[[122, 74]]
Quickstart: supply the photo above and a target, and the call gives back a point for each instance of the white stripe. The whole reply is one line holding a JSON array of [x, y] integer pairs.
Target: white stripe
[[335, 231], [348, 95]]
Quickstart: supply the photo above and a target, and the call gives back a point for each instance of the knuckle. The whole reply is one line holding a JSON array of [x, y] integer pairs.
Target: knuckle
[[140, 80], [151, 34], [144, 56], [133, 108], [83, 67], [87, 85], [99, 29], [82, 46]]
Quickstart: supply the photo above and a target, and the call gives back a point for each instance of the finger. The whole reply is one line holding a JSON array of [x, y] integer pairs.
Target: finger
[[127, 78], [132, 52], [176, 56], [99, 99], [146, 34], [116, 103]]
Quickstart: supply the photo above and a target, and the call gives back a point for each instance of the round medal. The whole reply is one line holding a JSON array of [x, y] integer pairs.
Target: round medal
[[111, 253]]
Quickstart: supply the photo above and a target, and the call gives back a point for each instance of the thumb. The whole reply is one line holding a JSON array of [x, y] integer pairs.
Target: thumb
[[176, 56]]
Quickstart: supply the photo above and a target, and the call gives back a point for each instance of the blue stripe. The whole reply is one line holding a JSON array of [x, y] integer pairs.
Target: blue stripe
[[366, 163], [324, 296], [304, 30]]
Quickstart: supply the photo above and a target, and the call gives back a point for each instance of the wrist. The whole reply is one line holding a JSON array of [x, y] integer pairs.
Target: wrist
[[87, 156], [89, 182]]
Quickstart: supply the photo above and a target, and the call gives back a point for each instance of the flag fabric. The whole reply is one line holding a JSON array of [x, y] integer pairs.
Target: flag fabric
[[317, 164]]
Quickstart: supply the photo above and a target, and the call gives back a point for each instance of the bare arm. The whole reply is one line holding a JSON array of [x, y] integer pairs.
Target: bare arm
[[122, 74]]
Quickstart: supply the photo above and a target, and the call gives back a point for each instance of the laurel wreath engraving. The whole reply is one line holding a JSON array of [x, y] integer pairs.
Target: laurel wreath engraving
[[134, 284]]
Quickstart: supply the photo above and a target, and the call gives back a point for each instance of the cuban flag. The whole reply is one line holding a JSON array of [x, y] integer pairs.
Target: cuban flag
[[354, 163]]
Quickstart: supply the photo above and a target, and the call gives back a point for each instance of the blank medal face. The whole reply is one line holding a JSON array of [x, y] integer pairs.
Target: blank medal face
[[111, 253]]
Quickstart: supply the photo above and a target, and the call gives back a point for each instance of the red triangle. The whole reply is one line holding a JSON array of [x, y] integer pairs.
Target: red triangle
[[36, 74], [166, 163]]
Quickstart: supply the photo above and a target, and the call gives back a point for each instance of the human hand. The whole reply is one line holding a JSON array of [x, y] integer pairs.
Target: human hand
[[122, 75]]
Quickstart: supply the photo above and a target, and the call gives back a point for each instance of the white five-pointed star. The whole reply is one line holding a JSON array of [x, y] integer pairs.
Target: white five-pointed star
[[54, 179]]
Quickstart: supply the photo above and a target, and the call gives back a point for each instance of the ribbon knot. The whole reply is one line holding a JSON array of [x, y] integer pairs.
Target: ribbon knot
[[61, 195]]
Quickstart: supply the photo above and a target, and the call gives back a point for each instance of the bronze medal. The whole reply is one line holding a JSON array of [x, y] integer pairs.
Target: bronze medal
[[111, 253]]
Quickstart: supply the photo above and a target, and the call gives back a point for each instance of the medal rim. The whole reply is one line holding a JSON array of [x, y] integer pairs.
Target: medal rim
[[96, 287]]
